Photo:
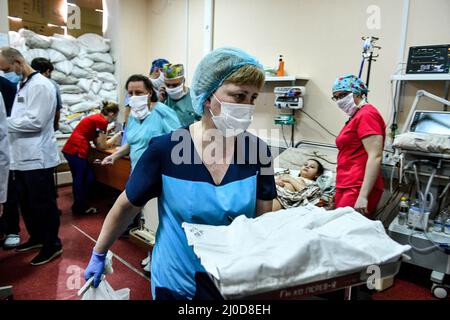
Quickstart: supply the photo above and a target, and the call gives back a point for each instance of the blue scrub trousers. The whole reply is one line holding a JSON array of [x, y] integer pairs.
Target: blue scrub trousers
[[83, 177]]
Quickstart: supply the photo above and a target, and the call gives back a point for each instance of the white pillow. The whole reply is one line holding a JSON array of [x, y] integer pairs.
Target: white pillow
[[70, 89], [55, 56], [106, 77], [67, 46], [34, 40], [65, 67], [101, 57], [92, 42], [83, 62], [103, 67]]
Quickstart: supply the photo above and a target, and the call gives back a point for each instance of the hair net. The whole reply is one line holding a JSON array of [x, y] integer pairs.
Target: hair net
[[350, 83], [216, 67], [158, 64]]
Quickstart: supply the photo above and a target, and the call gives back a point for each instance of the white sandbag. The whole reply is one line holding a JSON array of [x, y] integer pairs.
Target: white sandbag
[[65, 67], [106, 77], [101, 57], [34, 40], [83, 62], [94, 98], [85, 84], [55, 56], [92, 42], [35, 53], [108, 86], [83, 106], [58, 76], [16, 41], [109, 95], [96, 86], [80, 73], [75, 124], [68, 80], [65, 128], [70, 89], [66, 46], [71, 98], [103, 67]]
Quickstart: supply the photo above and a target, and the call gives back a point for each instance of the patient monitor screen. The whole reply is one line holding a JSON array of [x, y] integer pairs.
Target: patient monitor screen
[[431, 122]]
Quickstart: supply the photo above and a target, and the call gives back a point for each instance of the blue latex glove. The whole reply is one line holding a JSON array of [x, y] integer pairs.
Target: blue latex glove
[[95, 268]]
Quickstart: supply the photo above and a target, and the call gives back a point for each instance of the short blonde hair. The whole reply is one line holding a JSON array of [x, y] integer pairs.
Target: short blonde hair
[[247, 75]]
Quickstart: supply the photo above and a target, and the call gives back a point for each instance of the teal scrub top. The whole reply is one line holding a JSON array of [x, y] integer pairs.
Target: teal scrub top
[[184, 109], [161, 120]]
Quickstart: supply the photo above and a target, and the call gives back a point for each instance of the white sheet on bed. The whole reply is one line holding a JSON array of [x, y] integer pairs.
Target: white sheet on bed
[[290, 247]]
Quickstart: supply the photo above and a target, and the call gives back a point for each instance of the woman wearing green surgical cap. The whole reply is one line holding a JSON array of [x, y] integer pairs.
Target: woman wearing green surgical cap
[[209, 173], [361, 142]]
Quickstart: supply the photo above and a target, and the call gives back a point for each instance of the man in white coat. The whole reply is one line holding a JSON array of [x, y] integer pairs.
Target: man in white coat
[[4, 155], [34, 156]]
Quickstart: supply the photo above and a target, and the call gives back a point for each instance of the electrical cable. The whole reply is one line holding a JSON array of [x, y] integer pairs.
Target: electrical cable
[[329, 132]]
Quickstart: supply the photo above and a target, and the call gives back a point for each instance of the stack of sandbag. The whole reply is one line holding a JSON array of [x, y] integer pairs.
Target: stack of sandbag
[[84, 70]]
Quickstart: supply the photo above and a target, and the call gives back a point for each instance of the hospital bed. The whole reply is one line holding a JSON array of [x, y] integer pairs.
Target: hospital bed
[[291, 160]]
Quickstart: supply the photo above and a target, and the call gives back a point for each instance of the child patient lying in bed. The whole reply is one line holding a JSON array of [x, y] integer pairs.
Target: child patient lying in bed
[[294, 192]]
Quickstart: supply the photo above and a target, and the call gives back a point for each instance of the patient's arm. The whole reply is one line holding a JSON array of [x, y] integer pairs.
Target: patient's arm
[[296, 184]]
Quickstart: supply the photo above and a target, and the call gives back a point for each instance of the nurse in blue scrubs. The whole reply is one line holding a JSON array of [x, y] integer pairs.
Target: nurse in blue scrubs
[[207, 173]]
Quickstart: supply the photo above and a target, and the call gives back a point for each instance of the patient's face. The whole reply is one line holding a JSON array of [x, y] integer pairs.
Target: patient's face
[[309, 170]]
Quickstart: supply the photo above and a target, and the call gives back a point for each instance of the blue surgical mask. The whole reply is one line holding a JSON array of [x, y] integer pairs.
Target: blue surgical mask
[[13, 77]]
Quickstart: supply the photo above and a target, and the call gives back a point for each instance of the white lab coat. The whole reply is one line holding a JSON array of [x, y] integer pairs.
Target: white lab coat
[[4, 152], [31, 134]]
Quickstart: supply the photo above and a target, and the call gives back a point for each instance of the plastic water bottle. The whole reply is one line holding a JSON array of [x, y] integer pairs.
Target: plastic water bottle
[[403, 211], [438, 224], [447, 226]]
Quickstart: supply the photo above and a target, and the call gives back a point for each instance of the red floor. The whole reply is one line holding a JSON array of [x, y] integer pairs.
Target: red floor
[[61, 279]]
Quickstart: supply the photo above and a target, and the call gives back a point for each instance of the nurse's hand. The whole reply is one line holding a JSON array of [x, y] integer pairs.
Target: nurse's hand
[[361, 205], [108, 161], [95, 268]]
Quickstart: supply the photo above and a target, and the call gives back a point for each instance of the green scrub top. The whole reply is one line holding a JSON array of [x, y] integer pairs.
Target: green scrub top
[[184, 109]]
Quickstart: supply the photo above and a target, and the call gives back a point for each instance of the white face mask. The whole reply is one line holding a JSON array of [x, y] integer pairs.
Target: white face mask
[[157, 83], [234, 118], [347, 104], [176, 93], [139, 107]]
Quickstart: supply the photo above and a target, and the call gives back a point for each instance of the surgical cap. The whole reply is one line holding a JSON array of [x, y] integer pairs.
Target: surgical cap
[[173, 71], [214, 69], [350, 83], [158, 64]]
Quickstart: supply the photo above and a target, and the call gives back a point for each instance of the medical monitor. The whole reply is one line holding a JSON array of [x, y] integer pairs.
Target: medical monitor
[[432, 122]]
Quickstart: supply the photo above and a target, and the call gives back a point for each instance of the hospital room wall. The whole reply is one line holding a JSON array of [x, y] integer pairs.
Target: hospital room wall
[[4, 25], [130, 39], [319, 39]]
